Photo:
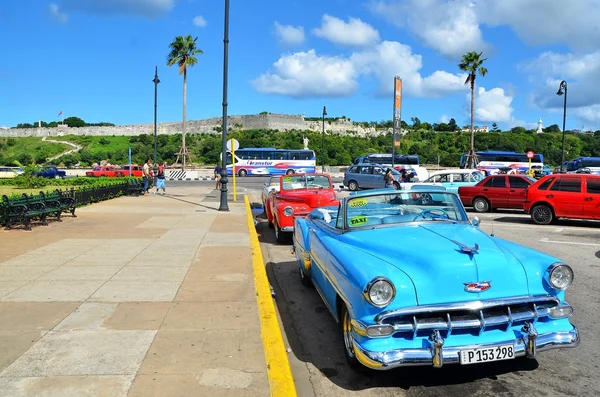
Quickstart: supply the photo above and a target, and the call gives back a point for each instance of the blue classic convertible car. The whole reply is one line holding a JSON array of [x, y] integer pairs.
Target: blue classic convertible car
[[416, 283]]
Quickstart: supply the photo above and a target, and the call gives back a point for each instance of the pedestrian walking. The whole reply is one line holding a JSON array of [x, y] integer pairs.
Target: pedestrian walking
[[160, 179], [389, 179], [218, 170], [146, 176]]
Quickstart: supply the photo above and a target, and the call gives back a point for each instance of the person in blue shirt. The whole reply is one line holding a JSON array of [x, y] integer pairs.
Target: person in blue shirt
[[218, 176]]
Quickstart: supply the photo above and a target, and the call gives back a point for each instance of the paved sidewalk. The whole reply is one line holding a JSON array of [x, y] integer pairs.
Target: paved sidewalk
[[138, 296]]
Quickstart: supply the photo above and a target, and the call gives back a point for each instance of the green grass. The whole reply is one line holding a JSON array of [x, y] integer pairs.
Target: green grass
[[28, 148]]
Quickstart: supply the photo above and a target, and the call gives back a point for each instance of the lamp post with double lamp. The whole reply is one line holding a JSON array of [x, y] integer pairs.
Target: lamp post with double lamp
[[562, 89], [156, 81], [323, 141], [223, 206]]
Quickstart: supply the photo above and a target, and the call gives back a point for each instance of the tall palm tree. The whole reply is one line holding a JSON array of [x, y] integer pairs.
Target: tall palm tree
[[183, 53], [471, 63]]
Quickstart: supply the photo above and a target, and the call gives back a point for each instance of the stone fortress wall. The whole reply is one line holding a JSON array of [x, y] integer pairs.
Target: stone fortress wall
[[282, 122]]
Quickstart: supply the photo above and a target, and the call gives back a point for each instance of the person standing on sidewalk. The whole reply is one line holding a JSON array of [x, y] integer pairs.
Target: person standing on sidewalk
[[146, 176], [218, 176], [160, 179]]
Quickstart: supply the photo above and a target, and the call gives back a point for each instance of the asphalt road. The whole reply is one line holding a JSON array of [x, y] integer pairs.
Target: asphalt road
[[315, 344]]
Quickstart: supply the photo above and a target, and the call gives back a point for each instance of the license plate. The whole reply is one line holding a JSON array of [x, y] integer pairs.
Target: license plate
[[487, 354]]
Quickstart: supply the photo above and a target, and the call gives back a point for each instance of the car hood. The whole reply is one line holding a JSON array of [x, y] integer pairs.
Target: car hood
[[437, 259], [311, 197]]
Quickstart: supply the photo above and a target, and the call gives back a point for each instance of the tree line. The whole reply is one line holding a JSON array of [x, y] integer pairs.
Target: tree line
[[443, 148]]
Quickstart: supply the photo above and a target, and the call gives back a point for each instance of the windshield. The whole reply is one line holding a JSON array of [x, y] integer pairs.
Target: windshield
[[403, 207], [305, 182]]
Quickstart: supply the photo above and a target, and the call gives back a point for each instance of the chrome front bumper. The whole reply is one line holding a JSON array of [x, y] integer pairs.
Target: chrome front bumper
[[287, 229], [437, 355]]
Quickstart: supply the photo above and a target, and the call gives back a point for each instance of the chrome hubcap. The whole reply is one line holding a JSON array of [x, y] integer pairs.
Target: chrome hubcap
[[348, 335], [480, 205]]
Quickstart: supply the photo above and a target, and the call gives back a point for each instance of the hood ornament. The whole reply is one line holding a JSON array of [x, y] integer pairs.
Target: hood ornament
[[466, 249], [477, 286]]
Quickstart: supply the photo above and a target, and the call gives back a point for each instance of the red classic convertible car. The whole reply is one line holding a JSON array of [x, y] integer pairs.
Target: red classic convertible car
[[298, 195]]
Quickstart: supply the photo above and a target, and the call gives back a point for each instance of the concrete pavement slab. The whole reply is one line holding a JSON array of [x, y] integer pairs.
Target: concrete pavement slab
[[165, 259], [14, 343], [88, 316], [225, 239], [138, 315], [33, 315], [216, 291], [6, 287], [23, 273], [151, 273], [83, 273], [136, 291], [54, 291], [61, 353], [216, 315], [160, 222], [190, 385], [66, 386]]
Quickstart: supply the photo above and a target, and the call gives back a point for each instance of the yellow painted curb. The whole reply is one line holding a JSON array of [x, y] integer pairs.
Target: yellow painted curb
[[281, 382]]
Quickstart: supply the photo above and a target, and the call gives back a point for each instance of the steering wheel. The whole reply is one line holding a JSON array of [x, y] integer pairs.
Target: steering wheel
[[434, 213]]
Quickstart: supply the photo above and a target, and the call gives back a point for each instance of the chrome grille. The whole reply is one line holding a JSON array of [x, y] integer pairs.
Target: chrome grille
[[472, 317]]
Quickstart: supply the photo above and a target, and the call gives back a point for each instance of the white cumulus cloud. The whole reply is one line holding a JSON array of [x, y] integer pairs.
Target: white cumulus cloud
[[57, 14], [288, 34], [449, 27], [580, 71], [490, 106], [199, 21], [305, 74], [352, 33]]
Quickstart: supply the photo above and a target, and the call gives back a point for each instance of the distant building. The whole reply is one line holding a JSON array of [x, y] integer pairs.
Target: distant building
[[476, 129]]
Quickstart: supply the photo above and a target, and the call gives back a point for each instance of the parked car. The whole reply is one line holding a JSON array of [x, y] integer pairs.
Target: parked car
[[271, 185], [50, 171], [110, 171], [496, 191], [298, 194], [563, 196], [368, 176], [136, 170], [451, 179], [413, 284], [10, 172]]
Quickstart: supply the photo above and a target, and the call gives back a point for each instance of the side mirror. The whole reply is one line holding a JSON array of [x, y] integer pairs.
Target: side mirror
[[476, 221]]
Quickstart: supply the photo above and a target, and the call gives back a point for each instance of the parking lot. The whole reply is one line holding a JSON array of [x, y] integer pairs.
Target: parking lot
[[315, 343]]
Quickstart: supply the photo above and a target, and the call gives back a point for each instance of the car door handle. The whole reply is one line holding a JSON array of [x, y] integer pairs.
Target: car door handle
[[589, 199], [549, 196], [485, 190], [512, 191]]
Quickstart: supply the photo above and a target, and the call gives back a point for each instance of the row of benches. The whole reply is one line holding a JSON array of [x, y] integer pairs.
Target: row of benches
[[24, 209]]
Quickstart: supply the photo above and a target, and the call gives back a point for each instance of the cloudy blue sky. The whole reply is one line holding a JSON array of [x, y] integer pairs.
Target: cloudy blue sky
[[95, 59]]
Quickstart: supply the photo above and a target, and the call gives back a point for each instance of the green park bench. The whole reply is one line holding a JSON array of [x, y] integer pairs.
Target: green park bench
[[60, 199], [22, 210], [135, 187]]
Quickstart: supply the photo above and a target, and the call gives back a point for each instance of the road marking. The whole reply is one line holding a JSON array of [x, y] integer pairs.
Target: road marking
[[560, 229], [281, 382], [547, 240]]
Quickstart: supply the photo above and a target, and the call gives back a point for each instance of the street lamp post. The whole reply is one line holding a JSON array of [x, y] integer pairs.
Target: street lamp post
[[323, 141], [156, 81], [562, 89], [223, 202]]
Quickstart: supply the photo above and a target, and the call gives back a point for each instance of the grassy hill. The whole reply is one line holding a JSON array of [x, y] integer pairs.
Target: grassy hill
[[443, 148]]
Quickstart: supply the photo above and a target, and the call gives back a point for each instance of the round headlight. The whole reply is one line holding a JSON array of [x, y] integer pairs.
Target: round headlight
[[288, 211], [561, 276], [380, 292]]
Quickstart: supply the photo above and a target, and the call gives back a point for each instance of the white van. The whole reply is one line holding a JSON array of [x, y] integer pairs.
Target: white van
[[451, 179]]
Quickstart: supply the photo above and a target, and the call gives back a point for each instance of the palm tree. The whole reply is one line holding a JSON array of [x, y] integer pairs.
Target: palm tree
[[471, 63], [183, 53]]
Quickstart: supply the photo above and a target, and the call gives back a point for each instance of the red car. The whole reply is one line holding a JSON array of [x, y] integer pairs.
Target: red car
[[496, 191], [106, 170], [136, 170], [563, 196], [298, 195]]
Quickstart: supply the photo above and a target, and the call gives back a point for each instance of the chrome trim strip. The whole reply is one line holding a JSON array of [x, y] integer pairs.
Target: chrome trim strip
[[387, 360], [470, 305], [287, 229]]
